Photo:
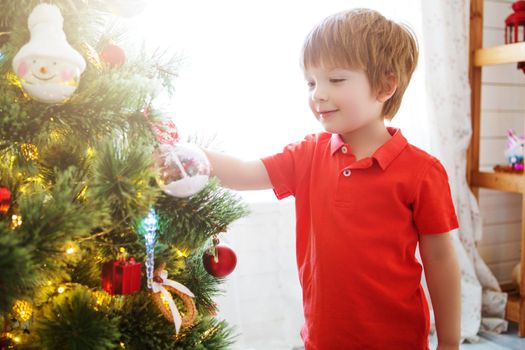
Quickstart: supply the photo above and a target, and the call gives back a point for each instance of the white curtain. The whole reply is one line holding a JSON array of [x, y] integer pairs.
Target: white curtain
[[446, 41]]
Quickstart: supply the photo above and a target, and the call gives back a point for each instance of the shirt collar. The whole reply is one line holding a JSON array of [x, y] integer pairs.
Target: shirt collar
[[385, 154]]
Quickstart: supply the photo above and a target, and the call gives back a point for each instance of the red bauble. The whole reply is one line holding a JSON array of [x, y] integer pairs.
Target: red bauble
[[226, 260], [113, 55], [5, 200], [121, 277]]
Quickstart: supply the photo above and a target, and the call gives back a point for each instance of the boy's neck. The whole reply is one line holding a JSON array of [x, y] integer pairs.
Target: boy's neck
[[367, 139]]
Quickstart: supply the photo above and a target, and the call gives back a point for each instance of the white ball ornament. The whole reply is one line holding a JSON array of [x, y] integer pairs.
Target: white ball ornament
[[184, 169], [48, 67]]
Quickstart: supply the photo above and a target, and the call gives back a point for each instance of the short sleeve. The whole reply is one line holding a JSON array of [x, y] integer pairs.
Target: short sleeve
[[433, 207], [285, 167]]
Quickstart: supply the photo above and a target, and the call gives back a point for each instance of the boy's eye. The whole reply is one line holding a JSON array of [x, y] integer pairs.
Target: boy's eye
[[336, 80], [310, 84]]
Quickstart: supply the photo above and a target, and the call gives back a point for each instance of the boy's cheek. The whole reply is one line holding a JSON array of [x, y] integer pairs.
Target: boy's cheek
[[313, 108]]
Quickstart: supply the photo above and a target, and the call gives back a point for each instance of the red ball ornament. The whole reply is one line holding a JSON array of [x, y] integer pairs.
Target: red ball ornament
[[113, 55], [219, 260], [5, 200]]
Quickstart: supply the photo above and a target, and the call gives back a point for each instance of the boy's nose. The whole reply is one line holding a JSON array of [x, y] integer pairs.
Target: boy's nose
[[319, 95]]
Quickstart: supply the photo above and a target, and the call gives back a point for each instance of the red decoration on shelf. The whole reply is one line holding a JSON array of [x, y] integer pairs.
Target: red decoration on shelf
[[515, 27], [113, 55], [5, 200], [507, 169], [121, 276], [219, 260]]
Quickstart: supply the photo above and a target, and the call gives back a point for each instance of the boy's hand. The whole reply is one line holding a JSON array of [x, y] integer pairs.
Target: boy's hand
[[238, 174]]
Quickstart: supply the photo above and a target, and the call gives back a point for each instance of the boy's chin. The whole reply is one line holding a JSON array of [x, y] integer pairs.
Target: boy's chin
[[330, 130], [334, 129]]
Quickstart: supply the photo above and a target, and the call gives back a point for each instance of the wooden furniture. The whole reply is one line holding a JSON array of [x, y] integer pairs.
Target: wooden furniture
[[480, 57]]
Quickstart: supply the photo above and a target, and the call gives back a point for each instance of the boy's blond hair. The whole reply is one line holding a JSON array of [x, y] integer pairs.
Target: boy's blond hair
[[365, 39]]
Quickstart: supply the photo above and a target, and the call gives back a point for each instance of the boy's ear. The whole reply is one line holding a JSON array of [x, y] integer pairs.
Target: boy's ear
[[389, 88]]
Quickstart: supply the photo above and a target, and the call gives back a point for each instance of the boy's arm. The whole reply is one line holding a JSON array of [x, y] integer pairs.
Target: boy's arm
[[237, 174], [443, 279]]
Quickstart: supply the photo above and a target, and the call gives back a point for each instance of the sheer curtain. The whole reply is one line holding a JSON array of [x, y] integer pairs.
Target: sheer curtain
[[446, 35], [241, 84]]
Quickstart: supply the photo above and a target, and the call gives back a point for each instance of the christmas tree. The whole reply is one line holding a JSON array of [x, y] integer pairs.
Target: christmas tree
[[109, 222]]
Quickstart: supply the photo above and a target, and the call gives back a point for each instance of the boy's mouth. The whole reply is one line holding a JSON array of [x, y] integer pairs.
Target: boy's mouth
[[326, 114]]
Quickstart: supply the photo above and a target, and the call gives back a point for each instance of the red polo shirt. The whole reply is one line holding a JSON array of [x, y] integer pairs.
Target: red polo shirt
[[357, 226]]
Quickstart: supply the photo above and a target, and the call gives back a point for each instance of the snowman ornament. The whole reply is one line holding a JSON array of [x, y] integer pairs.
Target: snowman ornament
[[47, 66]]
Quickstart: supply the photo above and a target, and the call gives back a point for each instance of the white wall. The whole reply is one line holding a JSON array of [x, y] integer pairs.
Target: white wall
[[263, 293], [503, 107]]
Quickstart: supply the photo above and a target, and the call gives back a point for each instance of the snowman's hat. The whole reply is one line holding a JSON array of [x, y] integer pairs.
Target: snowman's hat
[[48, 38]]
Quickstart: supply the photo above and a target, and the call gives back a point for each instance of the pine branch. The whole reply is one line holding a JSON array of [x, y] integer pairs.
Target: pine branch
[[17, 269], [189, 222], [144, 327], [209, 334], [122, 178], [201, 283], [74, 320], [52, 219]]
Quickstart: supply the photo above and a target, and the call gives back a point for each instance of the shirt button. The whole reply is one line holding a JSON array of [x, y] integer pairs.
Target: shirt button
[[344, 149], [347, 172]]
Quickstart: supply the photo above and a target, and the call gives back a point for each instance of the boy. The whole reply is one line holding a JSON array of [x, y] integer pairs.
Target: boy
[[364, 196]]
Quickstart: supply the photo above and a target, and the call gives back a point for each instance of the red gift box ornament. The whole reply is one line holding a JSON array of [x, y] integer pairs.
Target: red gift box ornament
[[121, 276], [5, 199]]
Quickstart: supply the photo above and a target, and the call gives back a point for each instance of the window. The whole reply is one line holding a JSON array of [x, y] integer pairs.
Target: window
[[242, 81]]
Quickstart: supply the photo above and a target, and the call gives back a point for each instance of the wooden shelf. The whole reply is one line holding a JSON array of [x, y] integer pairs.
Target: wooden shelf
[[479, 57], [511, 53], [499, 181], [514, 303], [508, 288], [512, 310]]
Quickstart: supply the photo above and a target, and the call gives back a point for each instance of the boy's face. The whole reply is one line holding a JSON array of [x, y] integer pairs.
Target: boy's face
[[341, 99]]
